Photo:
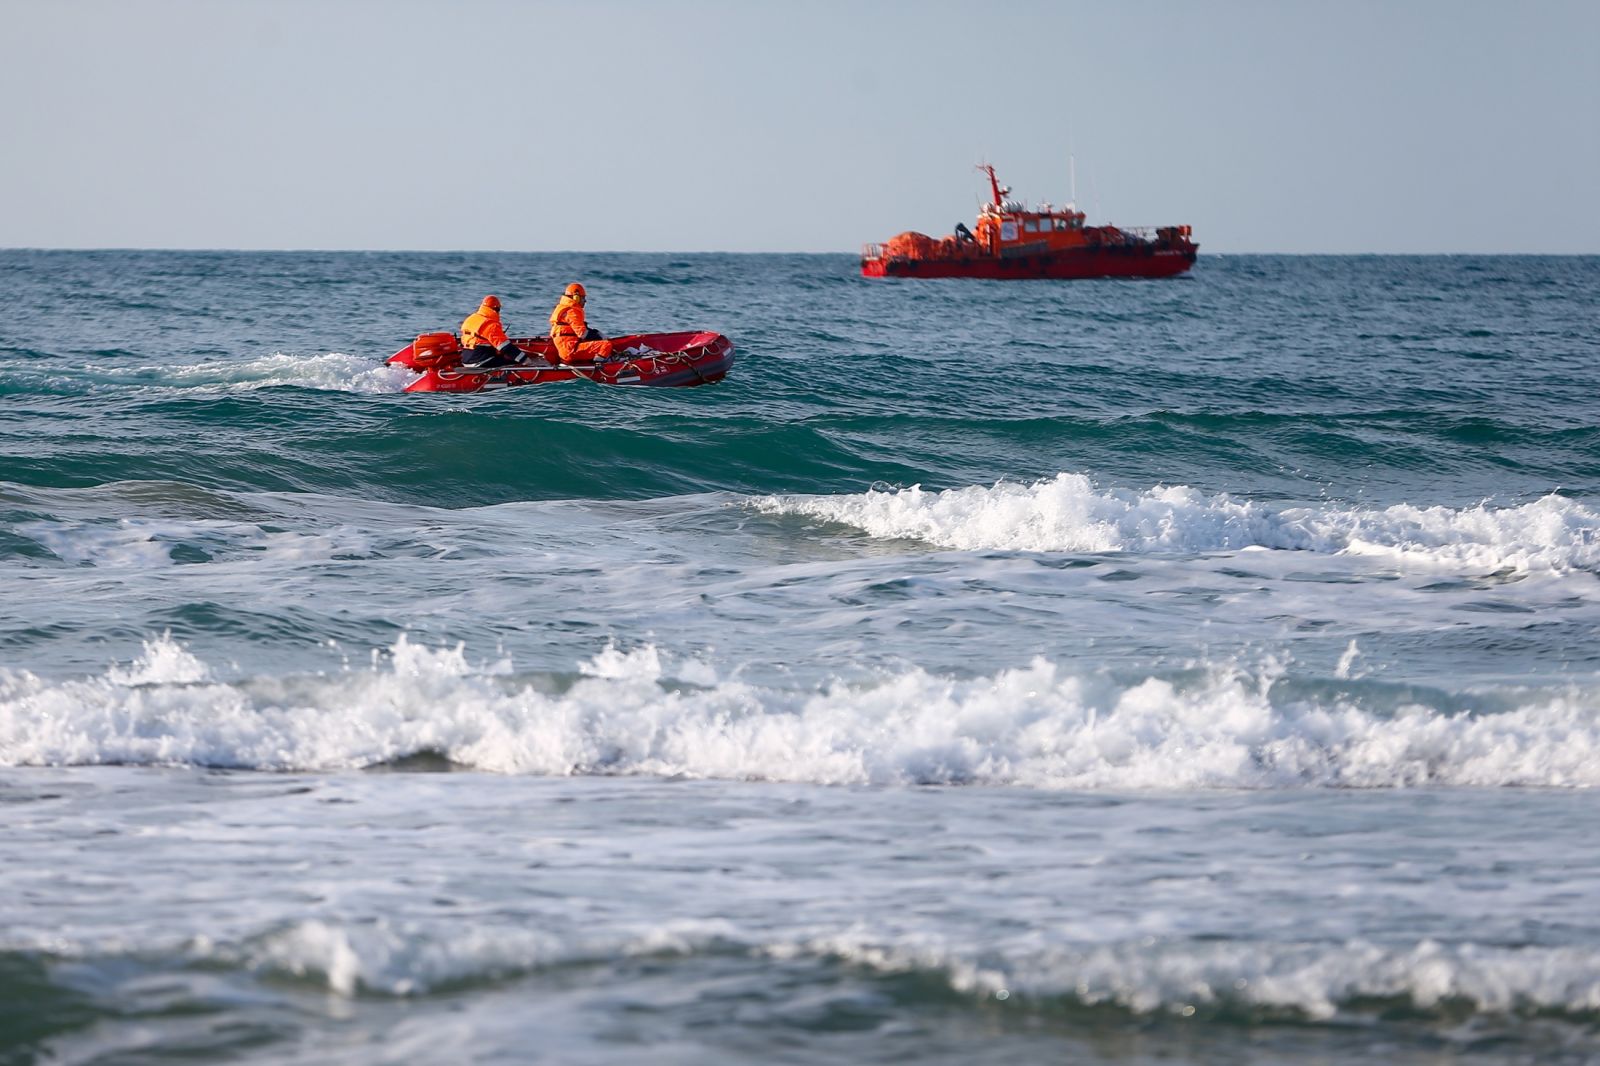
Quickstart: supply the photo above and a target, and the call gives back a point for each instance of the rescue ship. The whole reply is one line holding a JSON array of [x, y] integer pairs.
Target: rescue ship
[[1011, 240]]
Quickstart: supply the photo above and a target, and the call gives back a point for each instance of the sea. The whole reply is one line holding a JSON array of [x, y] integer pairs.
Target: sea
[[1203, 670]]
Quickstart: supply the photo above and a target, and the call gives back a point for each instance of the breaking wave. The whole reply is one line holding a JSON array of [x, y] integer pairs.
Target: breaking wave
[[631, 712], [1068, 514], [1257, 980]]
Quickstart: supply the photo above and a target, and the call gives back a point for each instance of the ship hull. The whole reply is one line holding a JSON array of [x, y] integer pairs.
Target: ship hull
[[1132, 261]]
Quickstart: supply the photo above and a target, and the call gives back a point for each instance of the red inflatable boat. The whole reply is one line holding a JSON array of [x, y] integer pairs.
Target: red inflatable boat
[[662, 359]]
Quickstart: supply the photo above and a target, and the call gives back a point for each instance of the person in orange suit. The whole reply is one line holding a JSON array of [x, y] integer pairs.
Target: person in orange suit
[[483, 339], [569, 329]]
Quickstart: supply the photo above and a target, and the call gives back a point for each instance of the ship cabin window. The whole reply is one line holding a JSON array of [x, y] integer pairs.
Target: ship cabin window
[[1032, 225], [1061, 225]]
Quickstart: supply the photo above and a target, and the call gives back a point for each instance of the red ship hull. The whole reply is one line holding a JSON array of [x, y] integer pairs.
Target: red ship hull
[[1132, 261], [648, 359]]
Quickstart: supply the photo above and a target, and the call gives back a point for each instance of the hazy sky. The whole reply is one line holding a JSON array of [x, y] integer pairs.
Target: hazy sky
[[1270, 126]]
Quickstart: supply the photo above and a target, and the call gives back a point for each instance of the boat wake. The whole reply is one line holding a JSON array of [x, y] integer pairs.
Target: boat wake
[[332, 372], [329, 372]]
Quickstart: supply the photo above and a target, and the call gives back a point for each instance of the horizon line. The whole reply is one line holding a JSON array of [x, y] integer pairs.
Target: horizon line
[[703, 251]]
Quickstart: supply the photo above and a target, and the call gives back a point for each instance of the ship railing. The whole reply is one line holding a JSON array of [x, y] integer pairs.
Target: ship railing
[[872, 251], [1136, 234], [1127, 234]]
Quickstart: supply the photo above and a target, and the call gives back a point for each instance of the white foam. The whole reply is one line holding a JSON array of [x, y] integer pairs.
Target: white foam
[[633, 713], [331, 371], [143, 543], [1319, 979], [1068, 514], [1315, 979], [334, 372], [402, 959], [124, 544], [164, 661], [382, 958]]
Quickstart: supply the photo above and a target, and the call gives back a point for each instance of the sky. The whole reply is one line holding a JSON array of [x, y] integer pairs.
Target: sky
[[1272, 126]]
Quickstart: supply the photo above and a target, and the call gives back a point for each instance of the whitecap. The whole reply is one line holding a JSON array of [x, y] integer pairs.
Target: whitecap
[[635, 712], [1068, 513]]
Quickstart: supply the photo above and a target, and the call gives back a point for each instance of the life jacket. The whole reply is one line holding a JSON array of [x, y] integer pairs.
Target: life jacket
[[568, 319], [483, 327]]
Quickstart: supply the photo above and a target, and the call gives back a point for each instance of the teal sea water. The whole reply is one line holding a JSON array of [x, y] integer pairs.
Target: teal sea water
[[1203, 670]]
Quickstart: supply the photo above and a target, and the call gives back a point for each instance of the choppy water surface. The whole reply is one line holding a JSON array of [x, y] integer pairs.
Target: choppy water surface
[[1203, 670]]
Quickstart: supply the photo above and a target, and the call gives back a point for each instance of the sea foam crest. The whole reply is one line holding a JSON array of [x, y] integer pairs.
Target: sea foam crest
[[164, 661], [409, 958], [1318, 980], [632, 713], [1068, 514]]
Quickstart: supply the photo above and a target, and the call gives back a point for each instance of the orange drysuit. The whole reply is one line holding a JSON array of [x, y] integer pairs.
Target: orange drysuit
[[482, 328], [568, 325]]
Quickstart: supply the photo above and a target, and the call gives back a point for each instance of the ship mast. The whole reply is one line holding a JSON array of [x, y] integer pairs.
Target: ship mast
[[994, 184]]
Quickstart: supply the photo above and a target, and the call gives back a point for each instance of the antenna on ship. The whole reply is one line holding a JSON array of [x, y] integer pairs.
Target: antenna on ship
[[994, 184], [1072, 178]]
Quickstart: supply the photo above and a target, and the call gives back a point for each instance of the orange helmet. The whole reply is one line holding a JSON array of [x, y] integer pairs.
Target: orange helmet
[[492, 302], [576, 290]]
